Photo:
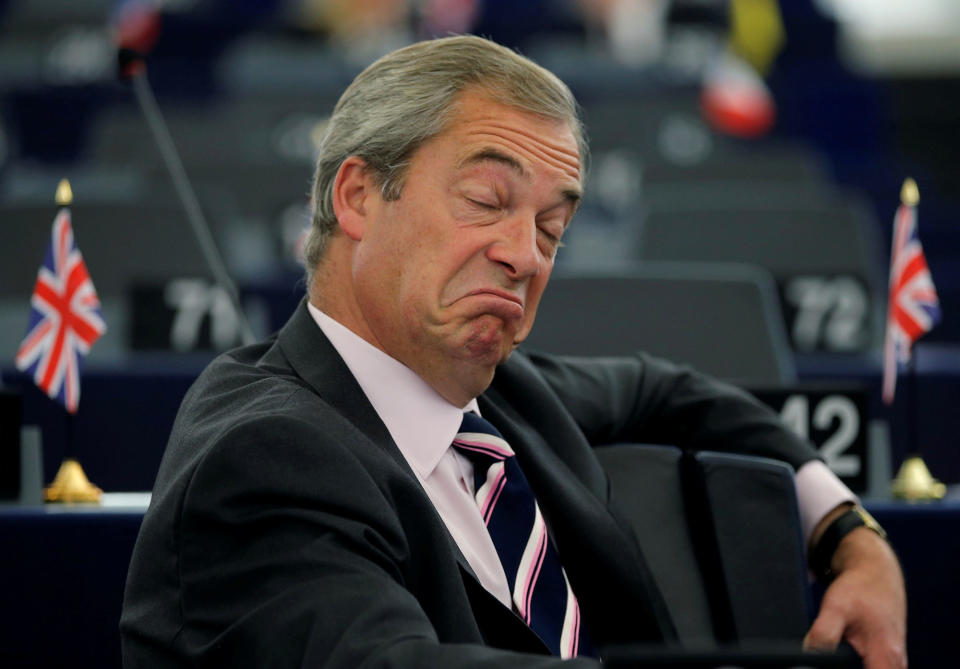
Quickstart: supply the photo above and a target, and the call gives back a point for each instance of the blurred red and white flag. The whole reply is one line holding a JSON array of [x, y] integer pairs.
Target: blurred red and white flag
[[65, 318], [913, 307]]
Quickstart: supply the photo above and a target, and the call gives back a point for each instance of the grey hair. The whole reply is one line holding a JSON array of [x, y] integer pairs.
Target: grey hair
[[407, 97]]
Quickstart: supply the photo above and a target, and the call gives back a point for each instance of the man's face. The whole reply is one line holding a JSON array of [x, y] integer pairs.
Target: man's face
[[448, 277]]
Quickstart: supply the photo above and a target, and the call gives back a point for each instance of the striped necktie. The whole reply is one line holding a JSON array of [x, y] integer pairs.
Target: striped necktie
[[539, 587]]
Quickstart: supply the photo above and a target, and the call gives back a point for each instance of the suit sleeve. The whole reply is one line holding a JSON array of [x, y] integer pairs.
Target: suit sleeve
[[645, 399], [287, 559]]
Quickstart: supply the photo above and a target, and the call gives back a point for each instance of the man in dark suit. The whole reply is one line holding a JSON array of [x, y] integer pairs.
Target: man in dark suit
[[310, 510]]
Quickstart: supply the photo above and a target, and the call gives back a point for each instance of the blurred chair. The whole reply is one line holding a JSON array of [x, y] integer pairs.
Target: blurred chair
[[721, 534], [664, 129], [121, 242], [786, 235], [721, 318], [237, 130], [823, 254]]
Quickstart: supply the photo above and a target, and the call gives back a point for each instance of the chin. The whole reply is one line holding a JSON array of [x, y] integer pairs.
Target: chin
[[489, 343]]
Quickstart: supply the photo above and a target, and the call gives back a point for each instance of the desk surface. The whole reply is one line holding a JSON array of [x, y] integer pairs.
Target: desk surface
[[110, 503]]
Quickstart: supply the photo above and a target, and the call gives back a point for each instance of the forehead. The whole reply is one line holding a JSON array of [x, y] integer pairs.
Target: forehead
[[538, 143]]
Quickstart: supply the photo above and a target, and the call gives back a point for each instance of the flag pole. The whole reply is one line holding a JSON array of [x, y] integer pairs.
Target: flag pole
[[913, 390], [71, 484], [913, 481]]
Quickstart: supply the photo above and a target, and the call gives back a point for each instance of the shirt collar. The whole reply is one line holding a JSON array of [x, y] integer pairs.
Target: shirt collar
[[421, 422]]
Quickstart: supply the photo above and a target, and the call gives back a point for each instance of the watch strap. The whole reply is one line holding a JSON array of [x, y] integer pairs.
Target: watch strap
[[821, 555]]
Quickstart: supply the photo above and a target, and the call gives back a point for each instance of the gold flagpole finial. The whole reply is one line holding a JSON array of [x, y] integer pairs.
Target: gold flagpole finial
[[910, 194], [64, 196]]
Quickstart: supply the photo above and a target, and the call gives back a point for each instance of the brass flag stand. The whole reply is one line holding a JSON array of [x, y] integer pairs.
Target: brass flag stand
[[914, 482], [71, 485]]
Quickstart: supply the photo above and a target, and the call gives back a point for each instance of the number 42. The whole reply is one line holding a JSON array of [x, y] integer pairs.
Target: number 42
[[796, 414]]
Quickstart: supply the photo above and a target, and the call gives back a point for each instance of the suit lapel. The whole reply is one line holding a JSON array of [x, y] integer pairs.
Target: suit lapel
[[314, 359], [311, 355]]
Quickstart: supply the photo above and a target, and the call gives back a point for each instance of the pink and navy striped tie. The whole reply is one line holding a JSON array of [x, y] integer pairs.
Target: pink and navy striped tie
[[540, 590]]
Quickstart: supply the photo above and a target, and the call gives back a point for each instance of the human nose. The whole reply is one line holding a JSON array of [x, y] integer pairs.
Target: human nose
[[516, 248]]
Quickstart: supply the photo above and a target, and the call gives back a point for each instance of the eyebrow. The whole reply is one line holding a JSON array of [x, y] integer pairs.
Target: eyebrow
[[484, 155], [571, 195]]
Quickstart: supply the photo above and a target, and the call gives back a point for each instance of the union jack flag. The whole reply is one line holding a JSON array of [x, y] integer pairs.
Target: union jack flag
[[913, 308], [65, 318]]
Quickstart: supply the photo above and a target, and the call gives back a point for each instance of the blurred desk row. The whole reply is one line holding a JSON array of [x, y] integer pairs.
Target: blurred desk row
[[128, 408], [65, 566]]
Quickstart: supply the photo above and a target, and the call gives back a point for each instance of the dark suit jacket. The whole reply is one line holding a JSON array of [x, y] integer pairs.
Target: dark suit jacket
[[287, 530]]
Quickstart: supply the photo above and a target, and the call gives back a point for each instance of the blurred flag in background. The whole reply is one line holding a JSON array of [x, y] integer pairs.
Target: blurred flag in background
[[913, 307], [65, 318]]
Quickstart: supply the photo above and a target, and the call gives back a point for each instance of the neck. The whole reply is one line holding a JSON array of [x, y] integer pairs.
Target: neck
[[331, 290]]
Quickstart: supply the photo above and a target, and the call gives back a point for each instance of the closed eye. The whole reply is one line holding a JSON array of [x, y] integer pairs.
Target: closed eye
[[483, 205], [554, 239], [551, 244]]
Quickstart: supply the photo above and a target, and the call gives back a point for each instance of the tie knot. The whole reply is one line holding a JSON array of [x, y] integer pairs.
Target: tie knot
[[477, 438]]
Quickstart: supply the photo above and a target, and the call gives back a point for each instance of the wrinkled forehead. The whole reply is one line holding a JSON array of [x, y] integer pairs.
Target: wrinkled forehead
[[476, 114]]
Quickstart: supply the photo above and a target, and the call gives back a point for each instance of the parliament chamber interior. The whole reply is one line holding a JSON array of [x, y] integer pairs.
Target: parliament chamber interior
[[746, 163]]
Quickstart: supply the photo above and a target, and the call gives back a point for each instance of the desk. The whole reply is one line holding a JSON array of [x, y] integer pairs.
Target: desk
[[64, 570], [926, 537]]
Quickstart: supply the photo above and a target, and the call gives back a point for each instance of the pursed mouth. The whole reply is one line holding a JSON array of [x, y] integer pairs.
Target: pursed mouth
[[503, 294], [502, 304]]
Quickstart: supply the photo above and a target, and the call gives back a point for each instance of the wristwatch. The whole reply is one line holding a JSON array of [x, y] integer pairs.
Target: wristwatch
[[822, 554]]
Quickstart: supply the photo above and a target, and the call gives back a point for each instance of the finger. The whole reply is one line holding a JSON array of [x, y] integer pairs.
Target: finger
[[825, 633], [882, 654]]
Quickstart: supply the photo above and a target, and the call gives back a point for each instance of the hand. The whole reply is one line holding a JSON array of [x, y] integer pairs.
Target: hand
[[866, 604]]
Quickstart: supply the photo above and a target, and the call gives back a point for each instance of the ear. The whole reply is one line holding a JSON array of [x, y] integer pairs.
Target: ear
[[351, 188]]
